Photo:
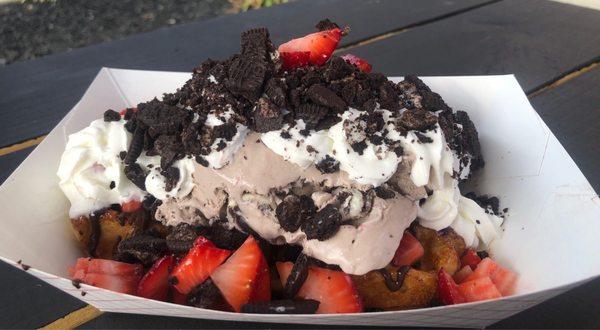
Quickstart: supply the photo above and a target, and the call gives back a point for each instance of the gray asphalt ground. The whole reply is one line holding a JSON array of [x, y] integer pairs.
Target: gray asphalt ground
[[33, 29]]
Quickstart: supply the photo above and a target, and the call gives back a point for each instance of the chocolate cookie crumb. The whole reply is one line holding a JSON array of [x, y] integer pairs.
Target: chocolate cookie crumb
[[384, 193], [297, 276], [328, 165], [324, 224], [111, 115], [267, 116], [76, 283], [136, 174], [293, 211]]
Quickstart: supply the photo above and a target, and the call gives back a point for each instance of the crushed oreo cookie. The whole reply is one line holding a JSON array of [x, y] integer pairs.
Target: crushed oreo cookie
[[297, 276], [324, 224], [491, 204], [294, 211], [136, 174], [111, 115], [208, 295], [181, 238], [143, 248], [328, 165]]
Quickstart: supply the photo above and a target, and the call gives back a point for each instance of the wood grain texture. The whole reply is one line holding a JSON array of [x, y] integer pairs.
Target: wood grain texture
[[537, 40], [34, 95]]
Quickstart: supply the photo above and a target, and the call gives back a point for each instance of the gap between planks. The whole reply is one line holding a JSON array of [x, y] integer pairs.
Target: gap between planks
[[75, 319], [567, 76], [21, 145], [411, 26]]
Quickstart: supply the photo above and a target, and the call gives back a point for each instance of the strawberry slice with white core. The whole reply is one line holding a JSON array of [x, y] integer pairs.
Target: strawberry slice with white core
[[505, 281], [333, 289], [448, 290], [202, 259], [462, 274], [360, 63], [409, 251], [241, 279], [123, 284], [155, 283], [320, 45], [486, 268], [479, 289], [107, 274]]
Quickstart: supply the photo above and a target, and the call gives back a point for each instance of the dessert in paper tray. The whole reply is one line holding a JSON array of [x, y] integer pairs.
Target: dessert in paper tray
[[292, 181]]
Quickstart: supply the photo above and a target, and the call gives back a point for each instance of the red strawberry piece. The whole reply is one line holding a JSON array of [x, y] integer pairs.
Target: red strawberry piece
[[362, 64], [470, 258], [118, 283], [320, 45], [262, 290], [112, 267], [486, 268], [409, 251], [155, 283], [177, 297], [78, 271], [479, 289], [448, 292], [505, 281], [242, 277], [293, 60], [131, 206], [202, 259], [122, 112], [462, 274], [333, 289]]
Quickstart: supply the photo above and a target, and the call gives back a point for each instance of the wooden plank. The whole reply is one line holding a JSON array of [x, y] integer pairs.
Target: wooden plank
[[572, 111], [9, 162], [537, 40], [27, 302], [34, 95]]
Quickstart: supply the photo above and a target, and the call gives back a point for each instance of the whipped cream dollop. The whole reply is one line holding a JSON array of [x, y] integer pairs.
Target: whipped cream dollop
[[92, 175], [222, 151]]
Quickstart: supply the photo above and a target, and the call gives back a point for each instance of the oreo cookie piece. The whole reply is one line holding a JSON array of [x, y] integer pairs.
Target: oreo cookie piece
[[267, 116], [384, 193], [136, 146], [294, 211], [328, 165], [223, 238], [171, 175], [324, 224], [275, 89], [111, 115], [417, 119], [146, 249], [326, 24], [324, 96], [136, 174], [286, 306], [297, 276], [311, 113], [208, 295], [181, 238]]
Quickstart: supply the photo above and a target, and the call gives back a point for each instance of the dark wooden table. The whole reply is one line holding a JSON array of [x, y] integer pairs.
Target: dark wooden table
[[553, 48]]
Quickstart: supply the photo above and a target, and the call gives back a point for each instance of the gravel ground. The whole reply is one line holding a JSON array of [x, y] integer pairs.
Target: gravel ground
[[32, 29]]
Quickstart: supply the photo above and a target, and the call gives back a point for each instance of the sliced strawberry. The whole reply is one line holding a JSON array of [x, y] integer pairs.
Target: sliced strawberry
[[155, 284], [486, 268], [293, 60], [202, 259], [479, 289], [505, 281], [78, 271], [470, 258], [131, 206], [409, 251], [462, 274], [177, 297], [360, 63], [448, 290], [333, 289], [118, 283], [320, 45], [262, 290], [241, 277], [112, 267]]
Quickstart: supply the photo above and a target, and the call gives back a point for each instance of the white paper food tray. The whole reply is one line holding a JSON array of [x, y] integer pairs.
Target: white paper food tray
[[550, 237]]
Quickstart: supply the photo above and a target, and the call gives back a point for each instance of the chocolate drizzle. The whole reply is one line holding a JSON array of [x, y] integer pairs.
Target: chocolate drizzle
[[394, 285]]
